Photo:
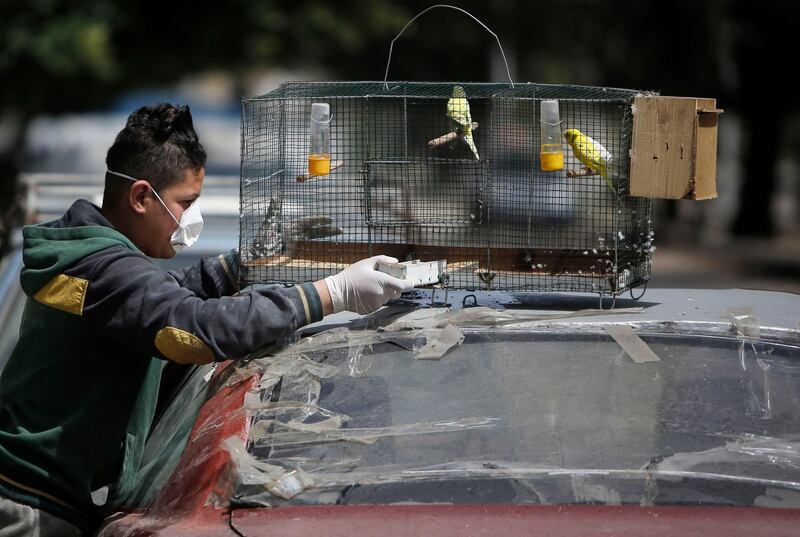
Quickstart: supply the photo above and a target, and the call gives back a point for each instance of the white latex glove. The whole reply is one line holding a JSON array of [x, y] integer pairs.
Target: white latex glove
[[362, 289]]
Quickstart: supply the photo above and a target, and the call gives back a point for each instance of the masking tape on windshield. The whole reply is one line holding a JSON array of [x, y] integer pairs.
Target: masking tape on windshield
[[431, 328], [287, 483], [277, 480], [437, 344], [632, 343], [357, 362], [283, 482], [745, 322], [369, 435], [483, 316]]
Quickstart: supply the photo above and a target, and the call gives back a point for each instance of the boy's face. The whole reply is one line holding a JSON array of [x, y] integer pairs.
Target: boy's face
[[155, 242]]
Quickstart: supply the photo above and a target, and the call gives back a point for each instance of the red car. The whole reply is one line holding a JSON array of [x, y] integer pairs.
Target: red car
[[681, 417]]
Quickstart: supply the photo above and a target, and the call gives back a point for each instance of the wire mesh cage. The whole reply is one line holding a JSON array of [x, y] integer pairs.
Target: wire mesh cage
[[408, 174]]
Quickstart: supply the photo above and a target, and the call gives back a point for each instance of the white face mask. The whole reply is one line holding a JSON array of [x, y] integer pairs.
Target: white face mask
[[189, 226]]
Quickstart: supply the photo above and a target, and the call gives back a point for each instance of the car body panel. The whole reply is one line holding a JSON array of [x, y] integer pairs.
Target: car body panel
[[187, 502], [514, 520]]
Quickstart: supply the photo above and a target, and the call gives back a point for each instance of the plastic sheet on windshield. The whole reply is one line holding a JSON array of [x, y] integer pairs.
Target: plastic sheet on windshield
[[343, 415]]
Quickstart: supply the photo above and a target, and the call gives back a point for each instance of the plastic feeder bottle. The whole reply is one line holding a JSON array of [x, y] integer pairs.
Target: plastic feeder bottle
[[319, 154], [551, 155]]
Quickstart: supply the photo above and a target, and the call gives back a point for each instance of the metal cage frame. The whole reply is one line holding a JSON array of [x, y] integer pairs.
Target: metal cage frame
[[501, 222]]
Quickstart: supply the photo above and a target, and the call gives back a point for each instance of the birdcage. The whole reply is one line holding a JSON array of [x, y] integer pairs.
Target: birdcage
[[401, 180], [470, 173]]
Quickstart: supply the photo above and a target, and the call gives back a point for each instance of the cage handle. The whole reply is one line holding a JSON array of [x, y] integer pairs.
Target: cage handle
[[418, 15]]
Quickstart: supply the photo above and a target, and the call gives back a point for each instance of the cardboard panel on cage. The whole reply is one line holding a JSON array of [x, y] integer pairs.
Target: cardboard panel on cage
[[674, 148]]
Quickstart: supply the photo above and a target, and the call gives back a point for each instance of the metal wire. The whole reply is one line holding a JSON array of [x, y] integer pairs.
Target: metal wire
[[405, 182], [613, 302], [644, 290], [418, 15]]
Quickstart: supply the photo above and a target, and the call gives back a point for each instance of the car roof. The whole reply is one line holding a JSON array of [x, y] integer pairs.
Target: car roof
[[770, 309]]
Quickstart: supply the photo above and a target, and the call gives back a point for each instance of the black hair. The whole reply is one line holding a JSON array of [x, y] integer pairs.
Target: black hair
[[158, 144]]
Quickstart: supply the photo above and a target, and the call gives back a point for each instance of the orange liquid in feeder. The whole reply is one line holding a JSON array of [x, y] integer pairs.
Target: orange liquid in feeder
[[551, 157], [319, 164]]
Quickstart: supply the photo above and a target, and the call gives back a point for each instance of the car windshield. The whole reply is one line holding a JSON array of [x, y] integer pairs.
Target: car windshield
[[524, 416]]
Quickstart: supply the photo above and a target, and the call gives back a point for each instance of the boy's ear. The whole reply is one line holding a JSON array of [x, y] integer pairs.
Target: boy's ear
[[137, 196]]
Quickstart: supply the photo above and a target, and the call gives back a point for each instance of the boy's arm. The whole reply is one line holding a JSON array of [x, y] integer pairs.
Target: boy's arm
[[130, 300], [214, 277], [211, 277]]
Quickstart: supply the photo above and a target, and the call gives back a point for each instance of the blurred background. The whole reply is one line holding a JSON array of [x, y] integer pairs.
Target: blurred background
[[72, 71]]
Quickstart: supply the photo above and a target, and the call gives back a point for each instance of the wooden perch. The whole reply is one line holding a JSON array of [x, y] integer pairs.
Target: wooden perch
[[449, 137], [306, 176], [323, 254], [583, 172]]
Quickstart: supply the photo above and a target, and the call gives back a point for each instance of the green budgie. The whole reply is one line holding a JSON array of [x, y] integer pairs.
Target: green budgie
[[458, 111]]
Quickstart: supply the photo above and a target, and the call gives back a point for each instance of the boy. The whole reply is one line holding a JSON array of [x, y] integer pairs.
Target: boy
[[78, 394]]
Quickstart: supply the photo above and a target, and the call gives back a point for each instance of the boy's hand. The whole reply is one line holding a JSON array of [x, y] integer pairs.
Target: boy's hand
[[362, 289]]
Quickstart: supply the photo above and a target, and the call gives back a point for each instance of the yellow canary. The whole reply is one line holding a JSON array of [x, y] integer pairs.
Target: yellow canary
[[458, 111], [591, 153]]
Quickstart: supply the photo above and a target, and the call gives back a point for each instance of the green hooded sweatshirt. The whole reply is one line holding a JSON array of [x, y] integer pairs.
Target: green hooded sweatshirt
[[78, 394]]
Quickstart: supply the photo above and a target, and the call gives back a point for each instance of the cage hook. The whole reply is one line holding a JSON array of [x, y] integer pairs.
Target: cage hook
[[644, 290], [473, 303], [418, 15]]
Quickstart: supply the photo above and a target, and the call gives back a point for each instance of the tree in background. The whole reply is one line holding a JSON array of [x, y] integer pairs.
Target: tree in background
[[51, 59]]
